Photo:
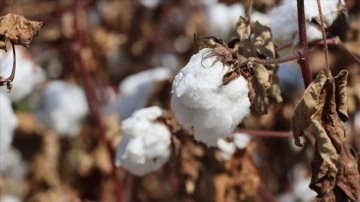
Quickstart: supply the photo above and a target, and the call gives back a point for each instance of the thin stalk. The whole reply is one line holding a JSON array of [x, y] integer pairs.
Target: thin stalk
[[326, 51], [304, 59], [265, 133], [295, 56], [93, 102]]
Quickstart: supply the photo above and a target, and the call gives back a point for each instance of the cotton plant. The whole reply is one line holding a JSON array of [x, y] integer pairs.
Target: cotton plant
[[135, 91], [28, 73], [63, 106], [284, 20], [201, 101], [8, 122], [227, 149], [145, 142]]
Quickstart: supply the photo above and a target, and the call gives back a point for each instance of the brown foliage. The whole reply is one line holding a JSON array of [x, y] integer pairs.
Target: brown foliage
[[335, 174]]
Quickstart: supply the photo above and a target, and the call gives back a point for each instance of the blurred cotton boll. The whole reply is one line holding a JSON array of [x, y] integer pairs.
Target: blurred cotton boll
[[9, 198], [63, 107], [145, 143], [227, 149], [135, 90], [8, 122], [222, 18], [27, 75], [284, 20], [200, 100]]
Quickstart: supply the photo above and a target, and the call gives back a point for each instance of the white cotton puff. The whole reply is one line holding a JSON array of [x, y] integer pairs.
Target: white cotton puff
[[145, 143], [12, 165], [200, 100], [136, 90], [227, 149], [150, 4], [9, 198], [8, 122], [63, 107], [222, 18], [27, 74], [284, 23]]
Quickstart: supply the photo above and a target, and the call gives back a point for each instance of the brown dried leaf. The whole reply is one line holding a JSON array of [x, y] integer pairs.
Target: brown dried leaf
[[307, 106], [17, 29], [341, 95]]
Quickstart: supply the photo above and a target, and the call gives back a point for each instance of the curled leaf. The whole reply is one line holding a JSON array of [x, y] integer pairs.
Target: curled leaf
[[341, 98], [18, 30], [307, 107]]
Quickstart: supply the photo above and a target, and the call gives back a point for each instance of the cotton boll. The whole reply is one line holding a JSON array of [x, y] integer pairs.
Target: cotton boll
[[9, 198], [144, 146], [27, 74], [8, 122], [222, 18], [200, 100], [302, 191], [63, 107], [150, 4], [227, 149], [284, 23], [11, 164], [241, 140], [136, 90]]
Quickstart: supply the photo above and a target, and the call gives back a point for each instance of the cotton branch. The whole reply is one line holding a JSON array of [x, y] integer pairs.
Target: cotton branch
[[304, 59]]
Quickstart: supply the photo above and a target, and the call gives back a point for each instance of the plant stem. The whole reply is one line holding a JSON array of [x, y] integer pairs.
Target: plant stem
[[93, 102], [326, 51], [265, 133], [276, 61], [304, 59]]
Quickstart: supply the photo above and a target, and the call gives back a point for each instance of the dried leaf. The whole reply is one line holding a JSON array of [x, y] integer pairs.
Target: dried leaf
[[307, 107], [17, 29], [341, 98]]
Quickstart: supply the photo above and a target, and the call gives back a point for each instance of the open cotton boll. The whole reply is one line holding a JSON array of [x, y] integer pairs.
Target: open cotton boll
[[27, 74], [200, 100], [136, 90], [9, 198], [145, 143], [241, 140], [8, 122], [63, 106], [284, 21]]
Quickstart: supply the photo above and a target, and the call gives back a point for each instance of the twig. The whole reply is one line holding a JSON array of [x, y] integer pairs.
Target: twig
[[265, 133], [304, 59], [326, 51], [93, 102], [276, 61]]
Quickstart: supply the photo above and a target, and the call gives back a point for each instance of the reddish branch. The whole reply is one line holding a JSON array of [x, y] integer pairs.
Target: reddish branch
[[93, 101], [304, 59]]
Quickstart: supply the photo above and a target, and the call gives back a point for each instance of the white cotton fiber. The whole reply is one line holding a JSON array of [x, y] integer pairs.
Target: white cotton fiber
[[145, 143], [200, 100], [136, 90], [27, 75], [284, 23], [63, 107], [222, 18], [227, 149], [8, 122]]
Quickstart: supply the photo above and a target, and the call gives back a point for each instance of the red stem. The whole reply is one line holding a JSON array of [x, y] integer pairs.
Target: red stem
[[304, 59], [93, 101], [265, 133]]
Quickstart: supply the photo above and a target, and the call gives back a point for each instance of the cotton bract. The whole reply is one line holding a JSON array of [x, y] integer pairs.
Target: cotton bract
[[144, 146], [63, 106], [284, 20], [8, 122], [200, 100]]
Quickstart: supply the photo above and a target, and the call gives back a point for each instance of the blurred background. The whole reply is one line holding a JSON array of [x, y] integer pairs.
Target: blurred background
[[95, 62]]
